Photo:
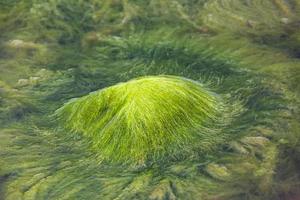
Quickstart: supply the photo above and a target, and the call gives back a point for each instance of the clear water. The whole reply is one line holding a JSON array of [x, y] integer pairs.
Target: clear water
[[246, 52]]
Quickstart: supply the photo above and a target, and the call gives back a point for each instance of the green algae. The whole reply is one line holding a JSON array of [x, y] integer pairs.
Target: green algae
[[146, 118]]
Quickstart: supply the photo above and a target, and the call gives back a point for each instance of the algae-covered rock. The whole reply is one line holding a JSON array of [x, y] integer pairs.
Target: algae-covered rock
[[217, 171], [146, 118], [20, 44]]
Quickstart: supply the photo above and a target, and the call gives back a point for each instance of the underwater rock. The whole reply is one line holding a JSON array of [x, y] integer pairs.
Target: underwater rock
[[258, 141], [251, 23], [44, 74], [19, 49], [146, 119], [23, 82], [163, 191], [33, 80], [41, 75], [218, 171], [285, 20], [20, 44]]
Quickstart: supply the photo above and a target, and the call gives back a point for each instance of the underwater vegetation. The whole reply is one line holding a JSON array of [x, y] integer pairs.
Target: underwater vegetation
[[150, 99], [147, 118]]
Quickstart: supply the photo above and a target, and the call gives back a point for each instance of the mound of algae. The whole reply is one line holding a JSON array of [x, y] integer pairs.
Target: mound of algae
[[146, 119]]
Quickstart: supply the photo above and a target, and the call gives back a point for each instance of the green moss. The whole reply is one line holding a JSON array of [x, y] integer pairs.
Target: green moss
[[145, 118]]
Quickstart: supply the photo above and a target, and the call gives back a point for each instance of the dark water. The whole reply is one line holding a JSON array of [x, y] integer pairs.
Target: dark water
[[246, 52]]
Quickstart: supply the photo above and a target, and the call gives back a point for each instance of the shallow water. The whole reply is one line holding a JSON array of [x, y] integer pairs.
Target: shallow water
[[246, 53]]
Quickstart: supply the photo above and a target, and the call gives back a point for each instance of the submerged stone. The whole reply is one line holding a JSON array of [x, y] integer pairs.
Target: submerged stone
[[20, 44], [146, 119]]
